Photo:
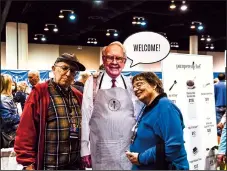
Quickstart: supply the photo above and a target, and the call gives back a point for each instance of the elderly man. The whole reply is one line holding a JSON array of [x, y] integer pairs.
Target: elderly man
[[33, 77], [48, 137], [108, 114]]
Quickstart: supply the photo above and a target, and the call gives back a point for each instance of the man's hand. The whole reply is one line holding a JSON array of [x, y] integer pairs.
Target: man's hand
[[86, 161], [133, 157]]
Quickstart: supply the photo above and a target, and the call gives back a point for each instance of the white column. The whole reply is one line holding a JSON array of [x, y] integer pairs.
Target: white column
[[193, 49], [11, 45], [23, 45], [16, 45]]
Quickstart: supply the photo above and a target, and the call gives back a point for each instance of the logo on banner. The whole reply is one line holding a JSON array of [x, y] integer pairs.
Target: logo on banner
[[193, 133], [195, 150], [114, 105]]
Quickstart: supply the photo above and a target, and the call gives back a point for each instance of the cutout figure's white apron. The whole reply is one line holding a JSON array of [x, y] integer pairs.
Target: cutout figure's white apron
[[110, 129]]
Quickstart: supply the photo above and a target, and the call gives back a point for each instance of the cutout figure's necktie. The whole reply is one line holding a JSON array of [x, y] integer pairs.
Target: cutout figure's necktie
[[113, 83]]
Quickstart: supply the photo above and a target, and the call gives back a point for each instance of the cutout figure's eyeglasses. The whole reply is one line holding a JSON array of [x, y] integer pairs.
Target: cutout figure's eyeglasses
[[117, 58]]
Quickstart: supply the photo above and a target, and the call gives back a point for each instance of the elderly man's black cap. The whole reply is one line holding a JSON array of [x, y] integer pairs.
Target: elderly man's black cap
[[72, 60]]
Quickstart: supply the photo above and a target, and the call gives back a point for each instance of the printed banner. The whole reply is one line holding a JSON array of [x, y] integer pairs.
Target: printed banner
[[188, 81]]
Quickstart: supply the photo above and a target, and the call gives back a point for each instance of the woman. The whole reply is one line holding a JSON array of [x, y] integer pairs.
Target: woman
[[157, 141], [20, 95], [8, 110], [14, 88]]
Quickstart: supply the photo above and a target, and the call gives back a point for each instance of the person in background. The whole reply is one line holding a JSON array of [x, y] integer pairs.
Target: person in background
[[8, 110], [14, 88], [81, 81], [48, 137], [109, 109], [99, 71], [20, 95], [33, 77], [157, 141], [220, 100]]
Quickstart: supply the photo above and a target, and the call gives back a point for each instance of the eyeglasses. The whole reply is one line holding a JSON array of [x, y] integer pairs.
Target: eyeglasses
[[117, 58], [65, 69], [139, 84]]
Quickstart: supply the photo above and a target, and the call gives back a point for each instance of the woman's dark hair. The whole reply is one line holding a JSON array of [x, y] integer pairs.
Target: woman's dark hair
[[151, 78]]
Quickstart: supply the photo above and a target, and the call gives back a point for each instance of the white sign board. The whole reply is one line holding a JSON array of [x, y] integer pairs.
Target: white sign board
[[188, 82]]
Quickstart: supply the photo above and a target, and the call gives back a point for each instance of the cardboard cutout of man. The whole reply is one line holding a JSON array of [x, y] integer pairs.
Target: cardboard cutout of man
[[108, 114]]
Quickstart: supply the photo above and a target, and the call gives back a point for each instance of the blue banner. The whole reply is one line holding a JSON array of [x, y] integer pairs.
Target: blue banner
[[22, 75]]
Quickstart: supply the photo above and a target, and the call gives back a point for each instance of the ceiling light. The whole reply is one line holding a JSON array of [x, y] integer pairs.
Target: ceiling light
[[61, 15], [212, 47], [115, 34], [46, 28], [192, 26], [208, 38], [200, 27], [72, 16], [95, 42], [43, 39], [134, 22], [207, 47], [108, 34], [172, 5], [98, 2], [183, 6], [202, 38], [55, 29], [88, 42], [143, 23], [41, 36]]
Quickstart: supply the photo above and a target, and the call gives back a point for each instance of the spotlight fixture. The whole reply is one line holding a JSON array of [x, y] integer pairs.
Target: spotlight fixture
[[184, 6], [72, 15], [202, 38], [98, 2], [41, 36], [113, 31], [92, 41], [172, 5], [206, 37], [139, 21], [198, 24], [55, 28], [174, 44], [209, 46]]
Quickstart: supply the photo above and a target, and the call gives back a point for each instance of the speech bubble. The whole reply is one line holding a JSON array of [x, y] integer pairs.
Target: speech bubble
[[146, 48]]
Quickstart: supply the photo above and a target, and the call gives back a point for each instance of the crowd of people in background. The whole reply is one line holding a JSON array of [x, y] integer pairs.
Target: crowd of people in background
[[48, 135]]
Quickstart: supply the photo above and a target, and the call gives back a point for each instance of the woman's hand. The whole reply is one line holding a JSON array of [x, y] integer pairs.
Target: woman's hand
[[133, 157]]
